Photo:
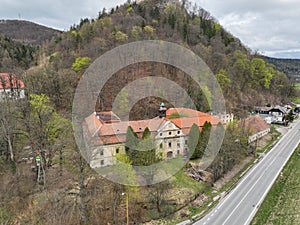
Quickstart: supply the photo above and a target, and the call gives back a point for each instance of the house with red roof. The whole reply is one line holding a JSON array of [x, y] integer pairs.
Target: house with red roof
[[255, 127], [105, 133], [11, 86]]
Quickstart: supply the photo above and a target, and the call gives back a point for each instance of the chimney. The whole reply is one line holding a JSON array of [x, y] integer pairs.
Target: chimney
[[162, 110]]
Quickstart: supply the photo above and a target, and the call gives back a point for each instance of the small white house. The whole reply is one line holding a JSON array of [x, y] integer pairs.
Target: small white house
[[255, 127], [11, 86]]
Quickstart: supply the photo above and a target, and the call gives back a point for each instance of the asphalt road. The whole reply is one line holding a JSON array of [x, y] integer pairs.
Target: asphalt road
[[241, 204]]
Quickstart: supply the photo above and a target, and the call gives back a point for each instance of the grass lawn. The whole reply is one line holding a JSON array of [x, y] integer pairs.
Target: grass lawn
[[296, 99], [297, 86], [282, 204]]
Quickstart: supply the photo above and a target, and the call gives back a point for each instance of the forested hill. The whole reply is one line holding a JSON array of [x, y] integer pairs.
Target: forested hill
[[19, 44], [291, 67], [246, 80], [16, 57], [26, 32]]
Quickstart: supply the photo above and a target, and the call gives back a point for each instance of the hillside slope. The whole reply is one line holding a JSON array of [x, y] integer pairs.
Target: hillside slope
[[246, 80], [27, 32], [291, 67]]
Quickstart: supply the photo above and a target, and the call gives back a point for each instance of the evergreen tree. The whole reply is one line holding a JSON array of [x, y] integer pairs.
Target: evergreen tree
[[131, 144], [204, 138], [194, 136], [147, 149]]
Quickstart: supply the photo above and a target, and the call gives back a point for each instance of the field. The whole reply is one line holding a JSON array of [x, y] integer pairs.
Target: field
[[282, 204], [297, 86], [296, 99]]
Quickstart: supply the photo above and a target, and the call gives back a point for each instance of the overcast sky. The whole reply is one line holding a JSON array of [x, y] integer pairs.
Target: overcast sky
[[267, 26]]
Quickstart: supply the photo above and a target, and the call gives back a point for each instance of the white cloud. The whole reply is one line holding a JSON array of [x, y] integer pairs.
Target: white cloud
[[269, 26], [55, 13]]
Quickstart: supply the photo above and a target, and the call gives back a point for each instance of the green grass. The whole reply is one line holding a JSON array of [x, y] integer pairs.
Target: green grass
[[296, 100], [184, 181], [5, 217], [297, 86], [282, 204], [267, 147]]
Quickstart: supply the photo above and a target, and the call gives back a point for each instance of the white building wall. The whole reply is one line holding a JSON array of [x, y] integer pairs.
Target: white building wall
[[18, 93], [102, 156], [261, 134], [170, 142]]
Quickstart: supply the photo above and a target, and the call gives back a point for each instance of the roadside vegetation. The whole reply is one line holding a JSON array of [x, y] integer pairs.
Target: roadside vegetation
[[296, 99], [282, 204]]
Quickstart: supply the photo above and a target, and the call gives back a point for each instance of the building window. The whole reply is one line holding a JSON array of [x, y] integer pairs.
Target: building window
[[178, 132], [101, 152], [102, 162], [160, 134], [186, 142], [161, 145], [178, 152], [170, 133], [117, 150], [170, 144], [178, 144]]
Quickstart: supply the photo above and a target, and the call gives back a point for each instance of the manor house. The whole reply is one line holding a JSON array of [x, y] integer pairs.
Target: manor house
[[105, 133]]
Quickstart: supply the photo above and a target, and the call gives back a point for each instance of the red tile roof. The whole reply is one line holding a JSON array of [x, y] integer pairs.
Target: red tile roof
[[10, 81], [185, 111], [108, 117], [93, 124], [114, 133], [137, 126], [254, 124], [193, 117]]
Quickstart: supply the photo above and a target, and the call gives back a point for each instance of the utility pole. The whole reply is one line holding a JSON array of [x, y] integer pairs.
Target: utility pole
[[127, 205]]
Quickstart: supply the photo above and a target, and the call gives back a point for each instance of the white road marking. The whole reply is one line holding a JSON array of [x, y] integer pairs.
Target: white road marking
[[275, 158]]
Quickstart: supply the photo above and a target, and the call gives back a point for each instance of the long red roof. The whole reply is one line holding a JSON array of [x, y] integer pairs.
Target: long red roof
[[114, 133], [10, 81], [190, 117]]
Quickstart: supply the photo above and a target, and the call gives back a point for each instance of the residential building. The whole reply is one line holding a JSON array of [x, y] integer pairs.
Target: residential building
[[105, 133], [255, 127], [276, 114], [11, 86], [225, 117]]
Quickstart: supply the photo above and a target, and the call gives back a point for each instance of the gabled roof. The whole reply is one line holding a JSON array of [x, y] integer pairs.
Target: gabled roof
[[185, 111], [93, 124], [192, 117], [281, 108], [254, 124], [115, 132], [137, 126], [108, 117], [10, 81]]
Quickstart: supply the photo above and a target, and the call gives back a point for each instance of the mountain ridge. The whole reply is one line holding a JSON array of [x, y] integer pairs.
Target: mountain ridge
[[27, 32], [291, 67]]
